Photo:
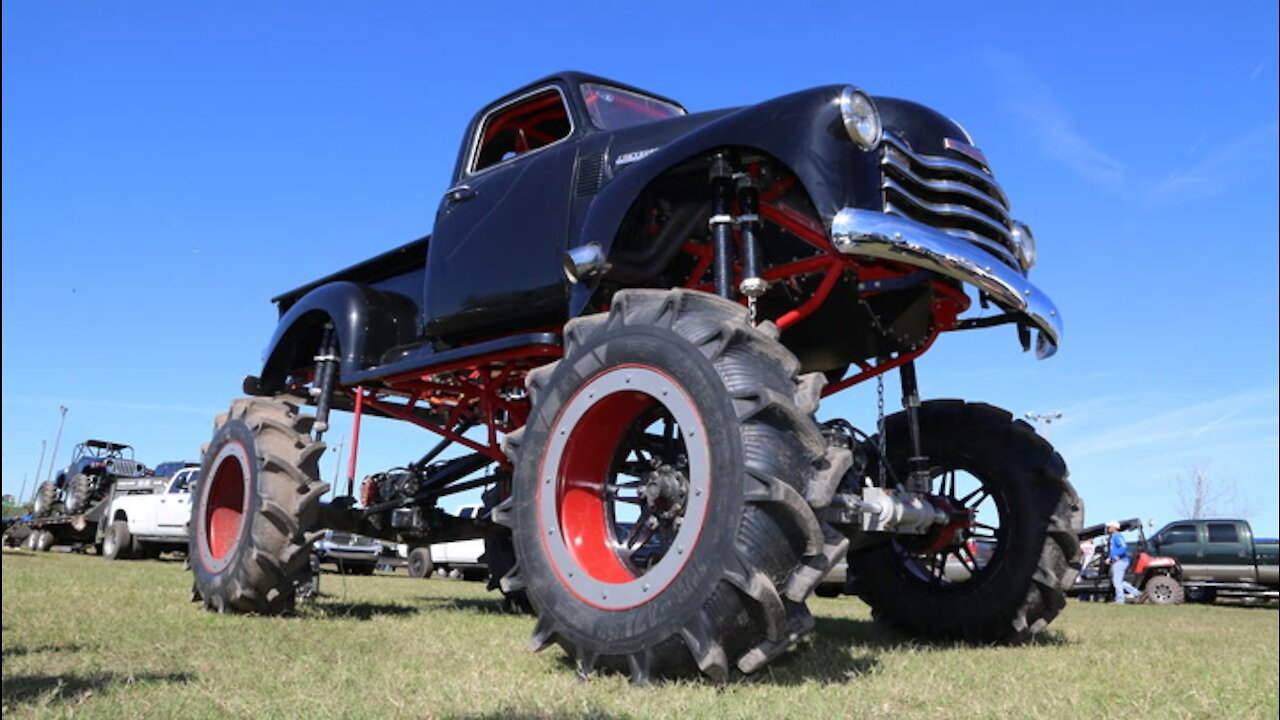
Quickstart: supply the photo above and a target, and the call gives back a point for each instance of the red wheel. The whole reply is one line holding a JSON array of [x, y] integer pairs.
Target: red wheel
[[662, 508], [630, 487], [257, 495]]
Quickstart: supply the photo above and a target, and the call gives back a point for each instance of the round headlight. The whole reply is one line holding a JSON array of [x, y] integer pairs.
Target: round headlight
[[861, 119], [1024, 245]]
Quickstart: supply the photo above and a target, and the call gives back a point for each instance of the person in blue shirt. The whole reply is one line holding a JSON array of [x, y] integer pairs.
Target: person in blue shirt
[[1118, 556]]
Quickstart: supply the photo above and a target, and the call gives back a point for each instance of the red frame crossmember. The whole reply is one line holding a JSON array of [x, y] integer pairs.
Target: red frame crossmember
[[447, 399]]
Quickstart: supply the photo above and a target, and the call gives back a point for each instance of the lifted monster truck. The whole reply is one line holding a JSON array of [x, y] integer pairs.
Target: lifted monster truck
[[94, 467], [646, 307]]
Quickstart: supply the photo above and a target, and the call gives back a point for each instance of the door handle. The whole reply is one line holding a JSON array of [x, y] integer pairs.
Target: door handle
[[462, 193]]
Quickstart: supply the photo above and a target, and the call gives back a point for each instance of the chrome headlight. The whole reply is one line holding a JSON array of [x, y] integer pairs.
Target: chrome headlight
[[1024, 245], [861, 119]]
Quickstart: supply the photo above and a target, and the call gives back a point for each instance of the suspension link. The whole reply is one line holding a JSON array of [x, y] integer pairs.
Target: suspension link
[[325, 377], [917, 464], [721, 224], [753, 285]]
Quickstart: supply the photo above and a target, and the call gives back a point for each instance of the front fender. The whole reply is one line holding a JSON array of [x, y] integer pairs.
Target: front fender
[[803, 131], [368, 322]]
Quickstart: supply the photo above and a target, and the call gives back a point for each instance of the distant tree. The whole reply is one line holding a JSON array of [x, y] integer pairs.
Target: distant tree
[[12, 508], [1202, 495]]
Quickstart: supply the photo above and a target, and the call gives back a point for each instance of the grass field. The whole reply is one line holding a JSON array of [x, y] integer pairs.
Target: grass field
[[88, 638]]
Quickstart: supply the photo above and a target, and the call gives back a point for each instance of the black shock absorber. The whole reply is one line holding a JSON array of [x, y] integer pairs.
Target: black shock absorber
[[917, 464], [721, 224], [752, 285], [326, 375]]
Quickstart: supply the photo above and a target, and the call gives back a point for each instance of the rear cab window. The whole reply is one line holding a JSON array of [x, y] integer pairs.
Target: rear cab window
[[520, 126]]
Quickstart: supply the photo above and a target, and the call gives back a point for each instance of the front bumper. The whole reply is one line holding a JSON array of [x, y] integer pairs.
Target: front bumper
[[887, 237], [349, 553]]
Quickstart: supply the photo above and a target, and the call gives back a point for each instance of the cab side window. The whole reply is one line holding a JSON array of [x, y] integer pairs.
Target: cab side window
[[1223, 533], [531, 122], [1179, 534]]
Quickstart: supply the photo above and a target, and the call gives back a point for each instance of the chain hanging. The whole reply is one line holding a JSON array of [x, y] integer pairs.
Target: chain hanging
[[880, 428]]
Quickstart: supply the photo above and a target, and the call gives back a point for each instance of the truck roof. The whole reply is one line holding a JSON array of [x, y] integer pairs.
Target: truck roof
[[107, 445]]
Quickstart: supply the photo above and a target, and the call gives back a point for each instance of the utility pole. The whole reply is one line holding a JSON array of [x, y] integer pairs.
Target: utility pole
[[1043, 421], [39, 465], [53, 459]]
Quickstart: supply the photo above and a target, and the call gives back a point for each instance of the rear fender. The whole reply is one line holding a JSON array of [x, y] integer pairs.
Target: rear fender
[[367, 320]]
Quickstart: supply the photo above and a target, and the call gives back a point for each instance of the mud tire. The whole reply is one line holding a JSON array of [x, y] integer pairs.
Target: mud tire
[[117, 543], [1163, 590], [257, 498], [499, 558], [737, 598], [44, 541], [46, 501], [76, 497], [1022, 588]]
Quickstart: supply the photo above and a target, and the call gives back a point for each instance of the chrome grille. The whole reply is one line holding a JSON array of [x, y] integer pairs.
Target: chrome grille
[[957, 196], [125, 468]]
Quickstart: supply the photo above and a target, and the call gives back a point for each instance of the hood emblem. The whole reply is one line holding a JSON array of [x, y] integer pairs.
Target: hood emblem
[[628, 158], [967, 150]]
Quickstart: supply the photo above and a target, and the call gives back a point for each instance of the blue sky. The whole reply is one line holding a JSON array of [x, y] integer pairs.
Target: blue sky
[[169, 167]]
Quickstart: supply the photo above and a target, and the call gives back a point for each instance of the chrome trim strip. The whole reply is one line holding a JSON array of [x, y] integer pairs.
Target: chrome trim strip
[[985, 242], [949, 210], [948, 187], [887, 237], [946, 165]]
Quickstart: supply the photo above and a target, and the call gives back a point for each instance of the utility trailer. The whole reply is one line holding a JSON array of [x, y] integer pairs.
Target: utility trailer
[[139, 517]]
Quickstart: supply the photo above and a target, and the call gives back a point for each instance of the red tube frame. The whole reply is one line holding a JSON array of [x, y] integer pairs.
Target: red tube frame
[[471, 391], [460, 393]]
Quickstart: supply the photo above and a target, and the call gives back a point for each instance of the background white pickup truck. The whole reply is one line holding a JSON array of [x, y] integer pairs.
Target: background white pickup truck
[[462, 557], [148, 516]]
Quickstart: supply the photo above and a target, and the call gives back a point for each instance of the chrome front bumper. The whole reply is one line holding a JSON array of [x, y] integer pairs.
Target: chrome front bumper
[[887, 237]]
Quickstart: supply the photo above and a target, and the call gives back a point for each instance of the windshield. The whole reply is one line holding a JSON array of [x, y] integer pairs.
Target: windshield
[[613, 108]]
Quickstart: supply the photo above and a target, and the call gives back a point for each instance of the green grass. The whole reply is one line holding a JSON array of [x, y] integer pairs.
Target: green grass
[[90, 638]]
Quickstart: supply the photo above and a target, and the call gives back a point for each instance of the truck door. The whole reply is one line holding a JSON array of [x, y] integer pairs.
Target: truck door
[[1182, 541], [1228, 553], [494, 262], [175, 504]]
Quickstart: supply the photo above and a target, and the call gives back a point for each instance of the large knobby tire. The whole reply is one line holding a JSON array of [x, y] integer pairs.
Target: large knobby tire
[[258, 496], [117, 543], [673, 404], [46, 499], [419, 563], [1163, 590], [76, 496], [1034, 518], [31, 540], [44, 541], [499, 559]]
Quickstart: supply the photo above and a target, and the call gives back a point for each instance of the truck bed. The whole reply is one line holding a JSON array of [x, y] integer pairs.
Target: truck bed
[[399, 270]]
